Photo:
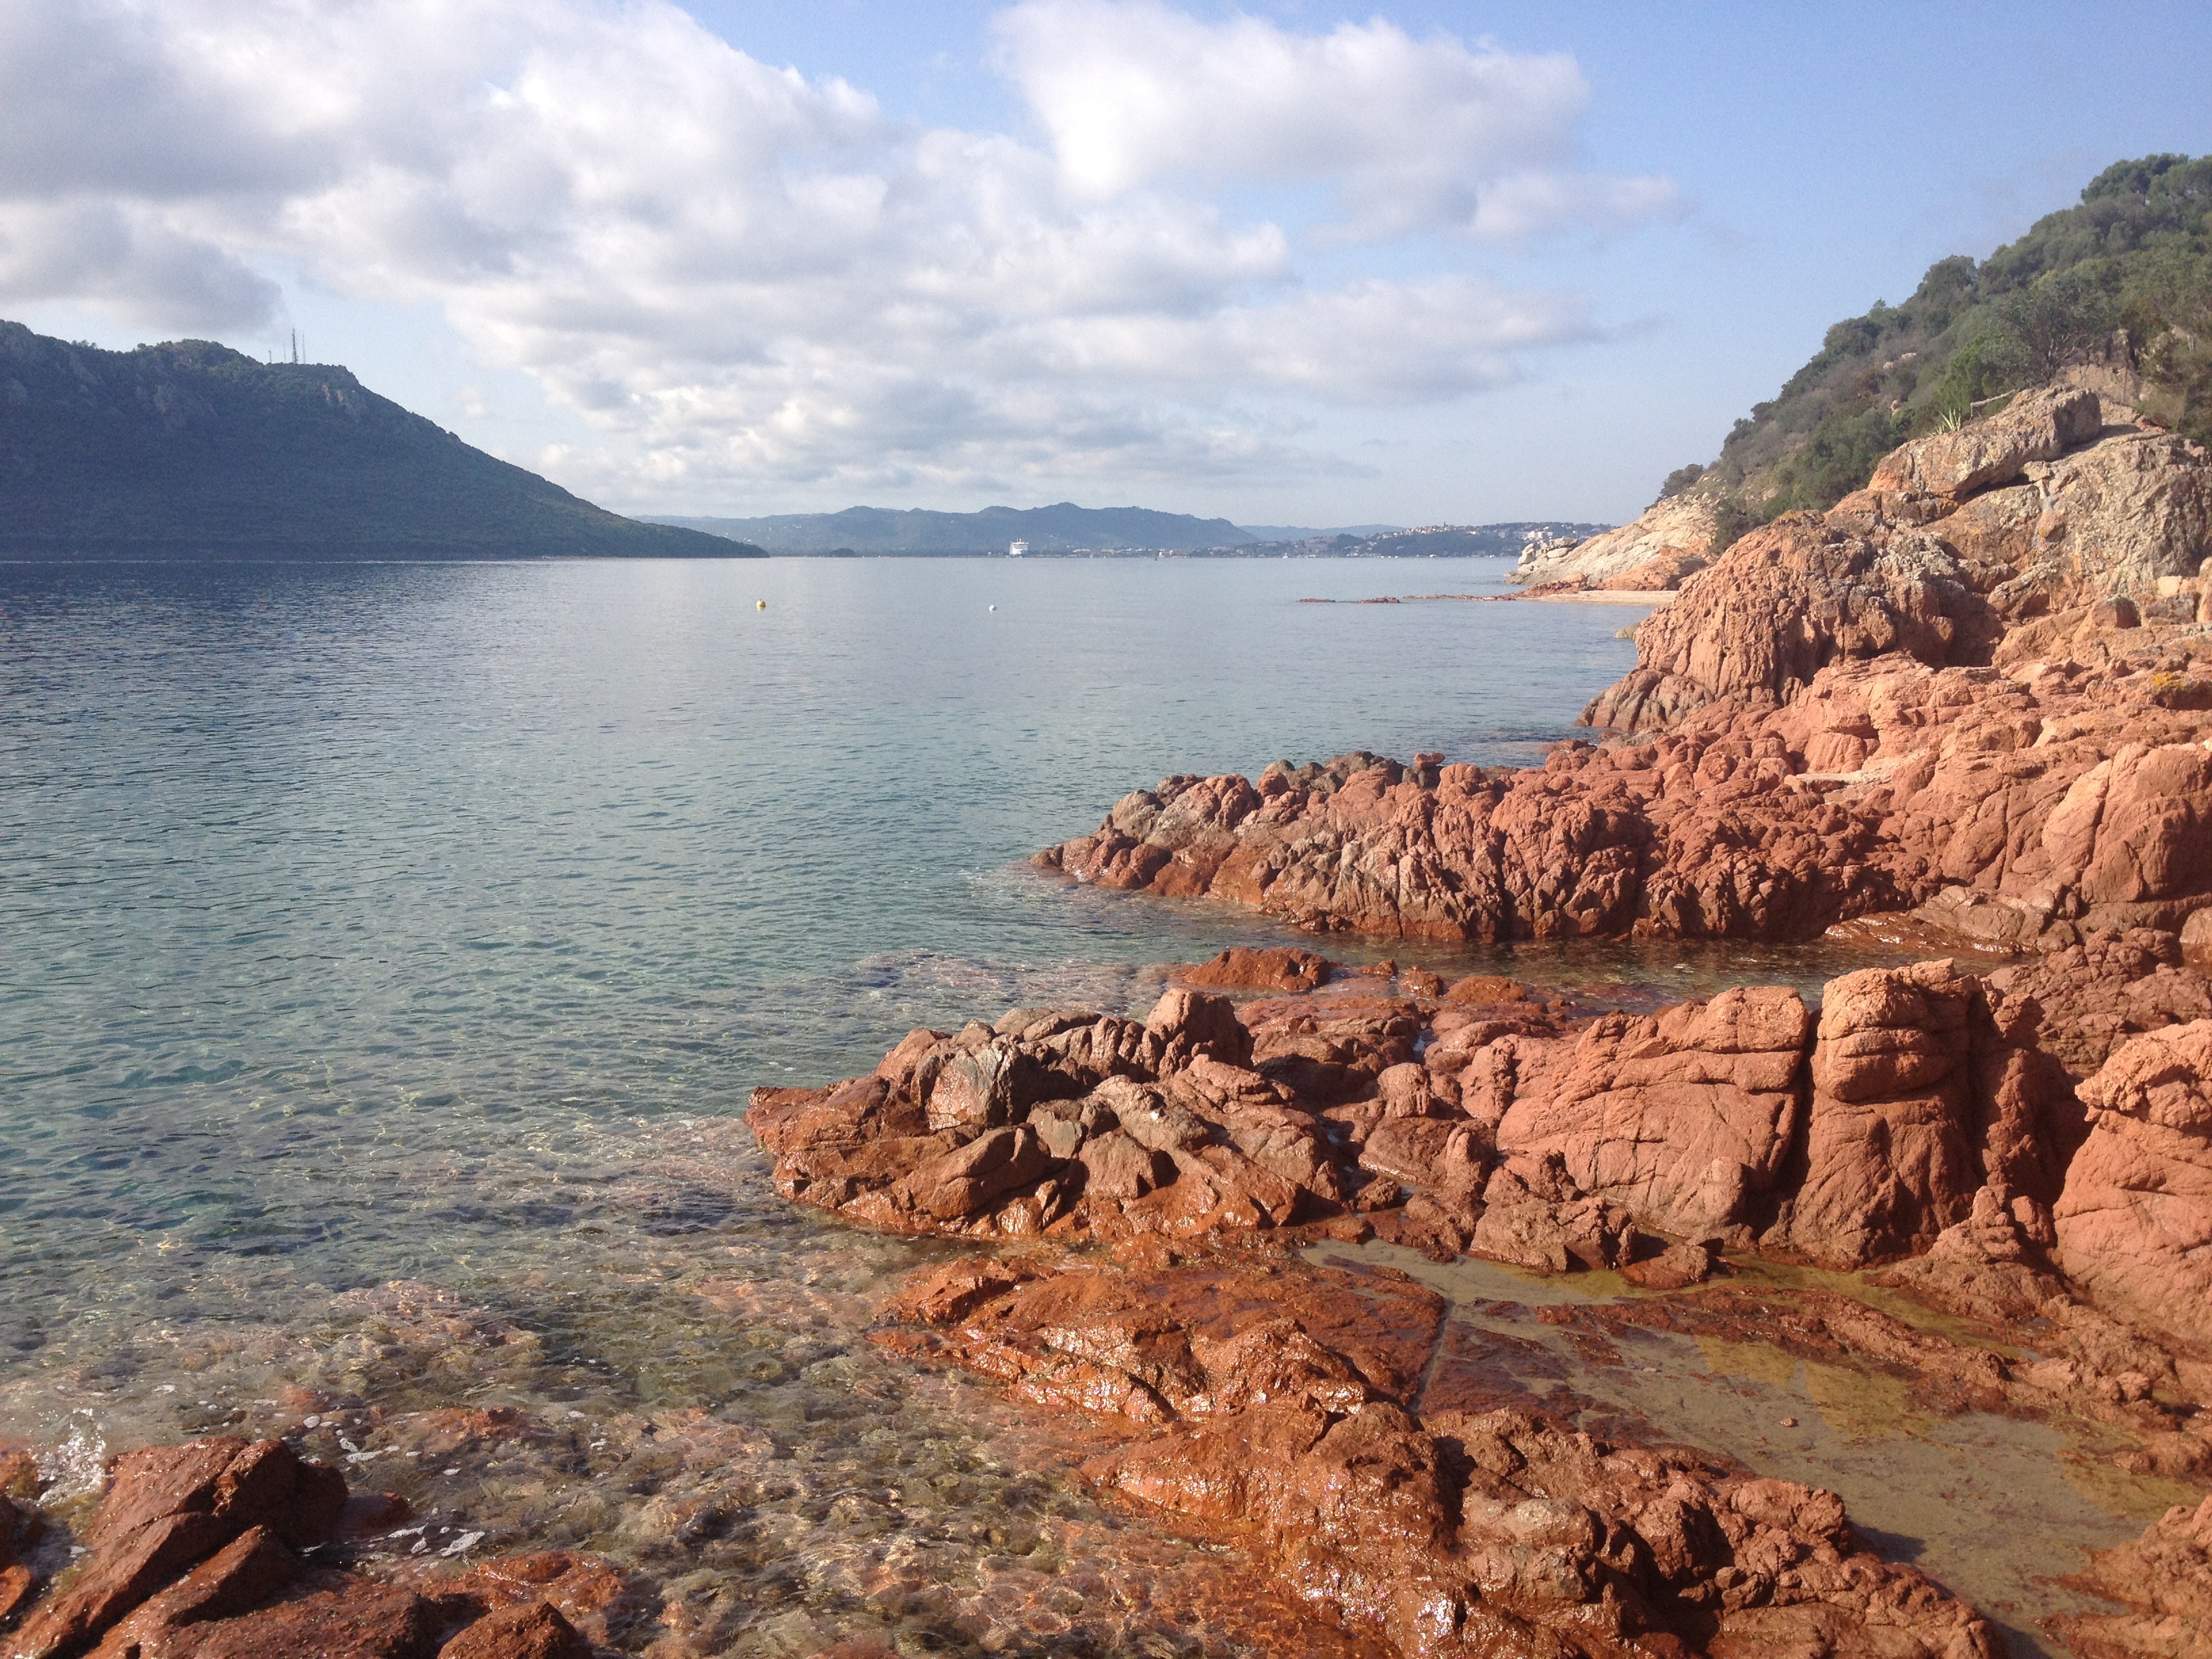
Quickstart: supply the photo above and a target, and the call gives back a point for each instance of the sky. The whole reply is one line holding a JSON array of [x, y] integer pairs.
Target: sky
[[1284, 263]]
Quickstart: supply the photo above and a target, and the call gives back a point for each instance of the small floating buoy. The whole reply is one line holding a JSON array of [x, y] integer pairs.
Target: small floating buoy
[[991, 607], [760, 604]]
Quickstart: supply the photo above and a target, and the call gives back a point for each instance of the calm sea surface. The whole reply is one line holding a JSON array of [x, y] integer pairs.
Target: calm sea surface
[[427, 923], [337, 899]]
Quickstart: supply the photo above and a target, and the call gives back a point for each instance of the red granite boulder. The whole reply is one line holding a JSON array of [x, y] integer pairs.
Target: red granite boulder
[[168, 1509], [530, 1629], [1890, 1155], [1240, 968], [1686, 1118], [2163, 1580], [2134, 1220]]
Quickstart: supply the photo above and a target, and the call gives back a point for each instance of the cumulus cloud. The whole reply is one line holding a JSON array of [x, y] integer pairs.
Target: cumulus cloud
[[742, 275], [1414, 134]]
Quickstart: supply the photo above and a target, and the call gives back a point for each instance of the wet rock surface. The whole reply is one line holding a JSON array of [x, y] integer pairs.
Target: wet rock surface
[[1925, 1117], [1287, 1403], [210, 1550]]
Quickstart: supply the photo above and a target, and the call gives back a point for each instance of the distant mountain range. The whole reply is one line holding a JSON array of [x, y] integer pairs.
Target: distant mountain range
[[1069, 529], [1295, 533], [192, 450], [1061, 529]]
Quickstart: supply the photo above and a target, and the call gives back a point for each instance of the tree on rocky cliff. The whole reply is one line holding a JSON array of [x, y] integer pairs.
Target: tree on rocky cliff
[[2057, 319], [2136, 254]]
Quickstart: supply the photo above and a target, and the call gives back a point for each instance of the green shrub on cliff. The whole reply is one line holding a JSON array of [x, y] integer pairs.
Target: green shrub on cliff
[[2125, 277]]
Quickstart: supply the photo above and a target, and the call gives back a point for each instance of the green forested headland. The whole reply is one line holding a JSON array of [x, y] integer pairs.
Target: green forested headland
[[189, 449], [2123, 279]]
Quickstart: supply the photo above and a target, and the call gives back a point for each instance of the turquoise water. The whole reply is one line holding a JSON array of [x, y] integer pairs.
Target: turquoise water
[[431, 923], [333, 893]]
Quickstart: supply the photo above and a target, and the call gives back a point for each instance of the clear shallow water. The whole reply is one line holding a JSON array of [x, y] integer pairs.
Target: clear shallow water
[[430, 923], [1947, 1493], [348, 905]]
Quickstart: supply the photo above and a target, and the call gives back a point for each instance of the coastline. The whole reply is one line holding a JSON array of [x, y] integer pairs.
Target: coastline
[[1092, 1325], [1976, 1182]]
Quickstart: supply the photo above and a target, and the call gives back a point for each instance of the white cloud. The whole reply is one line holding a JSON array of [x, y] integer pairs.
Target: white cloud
[[746, 278], [128, 259], [1414, 134]]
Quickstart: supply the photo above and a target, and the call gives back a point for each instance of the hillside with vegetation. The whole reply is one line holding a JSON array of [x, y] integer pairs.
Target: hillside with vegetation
[[2121, 284], [189, 449]]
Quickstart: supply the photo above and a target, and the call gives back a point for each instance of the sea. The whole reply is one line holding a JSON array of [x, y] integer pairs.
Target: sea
[[387, 953]]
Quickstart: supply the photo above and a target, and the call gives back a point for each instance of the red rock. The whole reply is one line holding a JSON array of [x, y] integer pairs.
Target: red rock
[[964, 1182], [235, 1579], [2164, 1580], [17, 1585], [1994, 1266], [1535, 1216], [2135, 1221], [241, 1484], [1110, 1127], [168, 1509], [1914, 702], [1674, 1268], [1484, 989], [355, 1620], [1426, 1150], [1686, 1119], [1189, 1026], [102, 1589], [2039, 427], [1155, 1345], [1890, 1143], [590, 1592], [1244, 968], [530, 1630], [1516, 1539], [2135, 826], [1784, 603]]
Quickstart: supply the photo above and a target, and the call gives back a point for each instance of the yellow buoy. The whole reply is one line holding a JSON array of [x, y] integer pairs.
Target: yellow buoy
[[760, 604]]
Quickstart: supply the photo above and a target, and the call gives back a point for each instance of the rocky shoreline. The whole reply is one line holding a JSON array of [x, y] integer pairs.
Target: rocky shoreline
[[1977, 689], [1969, 702], [1149, 1185], [1969, 709]]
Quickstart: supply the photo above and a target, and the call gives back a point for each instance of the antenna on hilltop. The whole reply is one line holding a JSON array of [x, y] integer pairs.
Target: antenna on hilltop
[[295, 345]]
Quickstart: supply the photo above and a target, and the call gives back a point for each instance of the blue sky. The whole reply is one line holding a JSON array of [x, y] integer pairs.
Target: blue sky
[[1289, 264]]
